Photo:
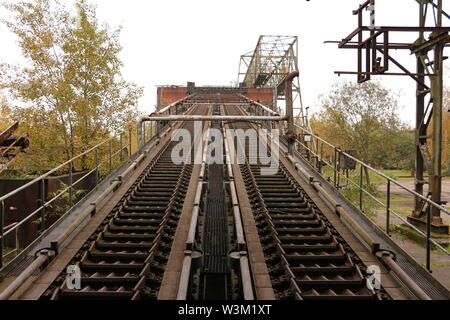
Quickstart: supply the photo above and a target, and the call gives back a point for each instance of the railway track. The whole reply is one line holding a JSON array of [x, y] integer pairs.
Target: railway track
[[126, 257], [306, 257]]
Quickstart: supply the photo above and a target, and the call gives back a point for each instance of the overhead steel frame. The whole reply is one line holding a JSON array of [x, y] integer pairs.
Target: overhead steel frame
[[429, 52], [268, 65]]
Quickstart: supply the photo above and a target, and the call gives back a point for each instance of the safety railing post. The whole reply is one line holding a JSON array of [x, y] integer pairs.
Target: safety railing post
[[110, 155], [361, 188], [428, 254], [121, 147], [143, 133], [151, 129], [97, 173], [16, 234], [317, 154], [70, 184], [129, 133], [43, 205], [335, 167], [388, 207]]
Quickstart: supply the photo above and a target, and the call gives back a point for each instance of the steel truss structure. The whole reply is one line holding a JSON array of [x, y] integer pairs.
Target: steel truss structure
[[268, 65], [374, 58]]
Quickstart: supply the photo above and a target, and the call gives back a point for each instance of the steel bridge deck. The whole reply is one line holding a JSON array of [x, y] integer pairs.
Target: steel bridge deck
[[297, 246]]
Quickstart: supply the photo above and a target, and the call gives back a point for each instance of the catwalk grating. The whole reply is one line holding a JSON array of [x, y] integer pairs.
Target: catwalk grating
[[216, 231]]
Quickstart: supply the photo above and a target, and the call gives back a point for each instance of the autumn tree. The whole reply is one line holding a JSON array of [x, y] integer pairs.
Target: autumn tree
[[71, 87], [363, 118]]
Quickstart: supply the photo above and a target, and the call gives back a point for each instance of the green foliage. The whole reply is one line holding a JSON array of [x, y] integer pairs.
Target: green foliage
[[65, 198], [72, 89], [62, 204], [363, 118], [352, 193]]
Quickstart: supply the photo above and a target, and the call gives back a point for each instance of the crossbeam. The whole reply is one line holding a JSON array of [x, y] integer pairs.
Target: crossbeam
[[212, 118]]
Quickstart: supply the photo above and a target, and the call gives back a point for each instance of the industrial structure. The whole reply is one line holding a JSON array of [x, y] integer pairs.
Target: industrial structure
[[226, 199], [268, 65], [374, 57], [11, 145]]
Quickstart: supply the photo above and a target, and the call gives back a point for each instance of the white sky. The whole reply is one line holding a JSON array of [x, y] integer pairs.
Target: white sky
[[175, 41]]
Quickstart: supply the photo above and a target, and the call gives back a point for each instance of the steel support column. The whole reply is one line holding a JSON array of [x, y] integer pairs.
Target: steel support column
[[290, 111]]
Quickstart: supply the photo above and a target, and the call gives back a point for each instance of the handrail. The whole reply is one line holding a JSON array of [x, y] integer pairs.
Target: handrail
[[376, 171], [317, 161], [45, 175]]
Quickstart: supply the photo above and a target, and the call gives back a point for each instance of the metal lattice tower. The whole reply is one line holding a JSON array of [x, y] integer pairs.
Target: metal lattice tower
[[268, 65]]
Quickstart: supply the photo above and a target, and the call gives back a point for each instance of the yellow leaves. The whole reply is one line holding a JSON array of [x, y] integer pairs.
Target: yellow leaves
[[73, 81]]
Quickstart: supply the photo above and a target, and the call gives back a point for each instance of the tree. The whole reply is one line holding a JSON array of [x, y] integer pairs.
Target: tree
[[72, 86], [361, 117]]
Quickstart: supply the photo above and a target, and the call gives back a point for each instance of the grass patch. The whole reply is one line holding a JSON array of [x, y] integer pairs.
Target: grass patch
[[407, 233]]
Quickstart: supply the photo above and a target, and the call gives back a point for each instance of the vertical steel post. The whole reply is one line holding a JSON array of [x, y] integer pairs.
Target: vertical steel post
[[361, 172], [110, 156], [290, 111], [335, 167], [428, 255], [437, 91], [388, 207], [420, 127], [121, 148], [321, 158], [71, 184], [140, 140], [129, 133], [97, 173], [143, 134], [151, 129], [16, 234]]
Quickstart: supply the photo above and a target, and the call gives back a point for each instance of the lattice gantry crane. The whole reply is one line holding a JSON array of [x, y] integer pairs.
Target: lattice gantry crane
[[374, 57]]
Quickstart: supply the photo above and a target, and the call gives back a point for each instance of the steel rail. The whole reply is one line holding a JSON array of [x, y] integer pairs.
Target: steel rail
[[270, 111], [243, 258]]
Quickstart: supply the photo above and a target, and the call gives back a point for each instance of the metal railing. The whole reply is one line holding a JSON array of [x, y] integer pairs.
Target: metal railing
[[104, 157], [323, 155]]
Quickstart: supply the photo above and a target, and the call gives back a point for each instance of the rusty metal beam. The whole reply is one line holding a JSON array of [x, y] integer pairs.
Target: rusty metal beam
[[8, 132], [212, 118]]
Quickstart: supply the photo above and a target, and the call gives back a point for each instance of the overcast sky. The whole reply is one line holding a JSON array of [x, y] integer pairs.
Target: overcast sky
[[172, 42]]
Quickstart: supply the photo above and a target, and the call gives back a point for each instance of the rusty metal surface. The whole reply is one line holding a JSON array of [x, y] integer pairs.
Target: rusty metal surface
[[126, 255], [306, 257]]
